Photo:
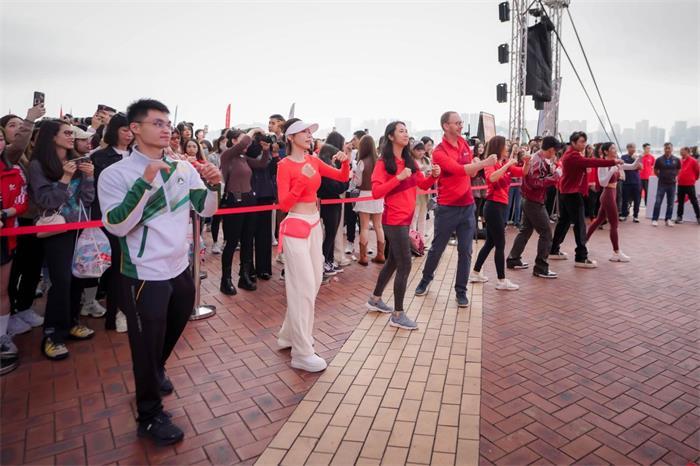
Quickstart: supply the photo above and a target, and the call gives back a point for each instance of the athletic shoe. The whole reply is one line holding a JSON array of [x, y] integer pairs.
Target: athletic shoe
[[53, 351], [166, 386], [635, 220], [80, 332], [31, 317], [282, 275], [280, 258], [379, 306], [274, 242], [548, 274], [328, 270], [216, 248], [453, 242], [7, 347], [422, 288], [349, 247], [586, 264], [619, 257], [623, 219], [161, 430], [462, 300], [506, 285], [402, 321], [8, 364], [478, 277], [312, 363], [93, 309], [517, 264], [338, 268], [654, 223], [344, 262], [283, 344], [559, 256], [669, 223], [17, 326], [679, 221], [121, 322]]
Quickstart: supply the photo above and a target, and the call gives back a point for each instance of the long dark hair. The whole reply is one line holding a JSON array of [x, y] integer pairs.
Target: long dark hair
[[388, 151], [366, 148], [605, 147], [45, 149], [111, 136], [199, 154], [285, 127], [495, 146], [327, 152]]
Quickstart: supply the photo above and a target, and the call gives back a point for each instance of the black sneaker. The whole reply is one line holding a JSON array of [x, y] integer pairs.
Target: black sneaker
[[517, 264], [422, 288], [462, 300], [166, 386], [635, 220], [548, 274], [161, 430], [328, 270]]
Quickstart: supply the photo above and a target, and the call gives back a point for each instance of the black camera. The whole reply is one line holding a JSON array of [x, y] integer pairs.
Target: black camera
[[267, 138]]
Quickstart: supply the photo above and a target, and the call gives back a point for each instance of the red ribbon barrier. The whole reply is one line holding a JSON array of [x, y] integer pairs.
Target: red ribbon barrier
[[30, 230]]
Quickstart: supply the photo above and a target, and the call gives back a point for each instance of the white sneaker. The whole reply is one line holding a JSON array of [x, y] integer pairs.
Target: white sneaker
[[31, 317], [506, 285], [312, 363], [478, 277], [93, 309], [619, 257], [280, 258], [559, 256], [669, 223], [654, 223], [274, 242], [344, 262], [121, 322], [349, 247], [216, 248], [17, 326]]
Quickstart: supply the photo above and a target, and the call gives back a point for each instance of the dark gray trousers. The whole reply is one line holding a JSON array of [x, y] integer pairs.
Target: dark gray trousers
[[534, 218]]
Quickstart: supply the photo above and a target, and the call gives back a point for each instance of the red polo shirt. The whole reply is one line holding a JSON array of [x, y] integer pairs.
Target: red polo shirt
[[454, 186], [647, 167], [399, 196], [689, 172], [497, 191]]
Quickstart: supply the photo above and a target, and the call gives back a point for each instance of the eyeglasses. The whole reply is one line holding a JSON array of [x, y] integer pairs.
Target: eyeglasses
[[160, 124], [458, 123]]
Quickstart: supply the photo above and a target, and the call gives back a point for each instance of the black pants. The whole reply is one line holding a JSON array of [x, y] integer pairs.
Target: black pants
[[25, 271], [571, 210], [692, 197], [215, 223], [631, 193], [110, 281], [494, 213], [645, 187], [238, 228], [156, 314], [63, 300], [550, 199], [535, 218], [350, 217], [398, 260], [592, 203], [263, 238], [330, 215]]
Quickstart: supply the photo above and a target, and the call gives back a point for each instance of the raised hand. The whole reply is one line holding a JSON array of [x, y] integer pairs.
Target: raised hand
[[152, 169], [405, 173]]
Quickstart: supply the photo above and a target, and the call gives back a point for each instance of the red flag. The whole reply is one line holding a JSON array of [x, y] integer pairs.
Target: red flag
[[228, 116]]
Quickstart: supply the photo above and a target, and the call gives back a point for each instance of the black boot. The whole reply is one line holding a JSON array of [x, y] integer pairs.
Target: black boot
[[253, 274], [227, 287], [245, 281]]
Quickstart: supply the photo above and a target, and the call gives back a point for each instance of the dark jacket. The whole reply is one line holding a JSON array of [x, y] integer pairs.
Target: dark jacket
[[52, 195], [632, 177], [102, 159], [330, 189]]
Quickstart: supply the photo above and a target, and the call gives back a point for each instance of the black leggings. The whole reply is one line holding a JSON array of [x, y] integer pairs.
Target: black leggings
[[238, 227], [25, 272], [330, 215], [215, 223], [398, 246], [350, 219], [495, 237]]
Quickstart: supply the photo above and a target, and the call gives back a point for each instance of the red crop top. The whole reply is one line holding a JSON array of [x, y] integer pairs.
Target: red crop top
[[497, 191], [293, 186]]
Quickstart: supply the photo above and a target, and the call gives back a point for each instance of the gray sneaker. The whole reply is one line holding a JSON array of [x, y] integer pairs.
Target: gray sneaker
[[379, 306], [403, 322]]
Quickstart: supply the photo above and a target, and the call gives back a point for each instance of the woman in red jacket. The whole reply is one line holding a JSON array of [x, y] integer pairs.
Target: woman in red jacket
[[298, 179], [396, 178], [13, 196], [495, 209]]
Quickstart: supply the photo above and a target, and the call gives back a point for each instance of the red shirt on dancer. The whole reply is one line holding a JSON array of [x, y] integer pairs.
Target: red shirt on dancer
[[454, 185], [399, 196], [497, 191], [574, 178], [293, 186], [689, 172], [647, 166]]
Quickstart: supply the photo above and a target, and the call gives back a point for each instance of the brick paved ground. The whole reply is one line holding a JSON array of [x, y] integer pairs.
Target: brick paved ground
[[561, 382]]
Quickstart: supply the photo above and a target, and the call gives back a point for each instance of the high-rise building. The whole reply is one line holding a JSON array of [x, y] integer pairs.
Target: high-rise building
[[627, 137], [657, 136], [679, 132], [641, 131]]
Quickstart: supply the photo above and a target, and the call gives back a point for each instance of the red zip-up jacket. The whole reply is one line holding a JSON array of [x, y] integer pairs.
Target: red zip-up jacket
[[574, 178], [689, 172], [399, 196], [454, 186], [13, 188]]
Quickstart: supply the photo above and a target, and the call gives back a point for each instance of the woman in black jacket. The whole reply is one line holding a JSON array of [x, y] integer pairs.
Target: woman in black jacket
[[330, 213]]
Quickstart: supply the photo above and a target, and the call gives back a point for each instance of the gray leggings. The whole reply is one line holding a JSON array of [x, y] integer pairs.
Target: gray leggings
[[398, 260]]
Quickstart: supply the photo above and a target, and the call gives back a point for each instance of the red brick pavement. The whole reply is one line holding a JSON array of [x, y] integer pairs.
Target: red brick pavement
[[599, 366], [233, 388]]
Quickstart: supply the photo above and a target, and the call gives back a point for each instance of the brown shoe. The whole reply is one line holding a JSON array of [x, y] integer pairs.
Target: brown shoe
[[363, 260], [379, 258]]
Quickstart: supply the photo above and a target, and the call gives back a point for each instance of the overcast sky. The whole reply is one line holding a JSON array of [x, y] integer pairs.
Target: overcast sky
[[363, 60]]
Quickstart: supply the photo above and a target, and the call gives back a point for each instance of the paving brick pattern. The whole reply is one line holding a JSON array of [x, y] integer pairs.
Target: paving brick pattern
[[599, 366]]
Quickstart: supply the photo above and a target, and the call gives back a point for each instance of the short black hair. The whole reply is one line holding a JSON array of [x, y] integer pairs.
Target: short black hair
[[646, 144], [276, 116], [666, 144], [197, 132], [359, 134], [576, 135], [427, 139], [111, 135], [549, 142], [140, 108]]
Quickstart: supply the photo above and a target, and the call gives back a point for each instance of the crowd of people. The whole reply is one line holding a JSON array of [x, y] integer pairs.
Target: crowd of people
[[143, 176]]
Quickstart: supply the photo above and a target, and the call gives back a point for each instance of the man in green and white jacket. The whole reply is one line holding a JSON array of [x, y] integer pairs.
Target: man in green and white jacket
[[146, 200]]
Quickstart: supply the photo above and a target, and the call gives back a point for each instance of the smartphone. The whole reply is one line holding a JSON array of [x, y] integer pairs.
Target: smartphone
[[38, 98], [84, 158]]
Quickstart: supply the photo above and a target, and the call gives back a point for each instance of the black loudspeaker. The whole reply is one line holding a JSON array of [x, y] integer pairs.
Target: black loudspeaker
[[538, 81], [503, 53], [502, 93], [504, 12]]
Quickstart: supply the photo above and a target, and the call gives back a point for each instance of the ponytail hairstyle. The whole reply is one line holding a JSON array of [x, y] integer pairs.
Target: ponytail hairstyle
[[285, 127], [605, 147], [388, 151]]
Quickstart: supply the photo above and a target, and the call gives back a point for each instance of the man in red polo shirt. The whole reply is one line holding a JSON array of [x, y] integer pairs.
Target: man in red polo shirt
[[455, 210], [687, 176], [572, 188], [647, 169]]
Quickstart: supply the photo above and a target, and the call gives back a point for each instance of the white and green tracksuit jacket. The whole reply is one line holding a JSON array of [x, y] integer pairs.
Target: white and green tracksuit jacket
[[152, 220]]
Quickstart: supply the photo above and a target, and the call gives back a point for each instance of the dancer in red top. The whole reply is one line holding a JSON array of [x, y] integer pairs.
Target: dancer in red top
[[687, 177], [496, 211], [647, 169], [396, 178], [298, 179]]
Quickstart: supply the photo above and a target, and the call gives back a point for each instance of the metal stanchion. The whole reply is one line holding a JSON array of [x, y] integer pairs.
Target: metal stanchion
[[200, 311]]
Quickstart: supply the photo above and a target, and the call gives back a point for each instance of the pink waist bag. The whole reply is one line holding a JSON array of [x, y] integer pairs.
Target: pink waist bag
[[295, 228]]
